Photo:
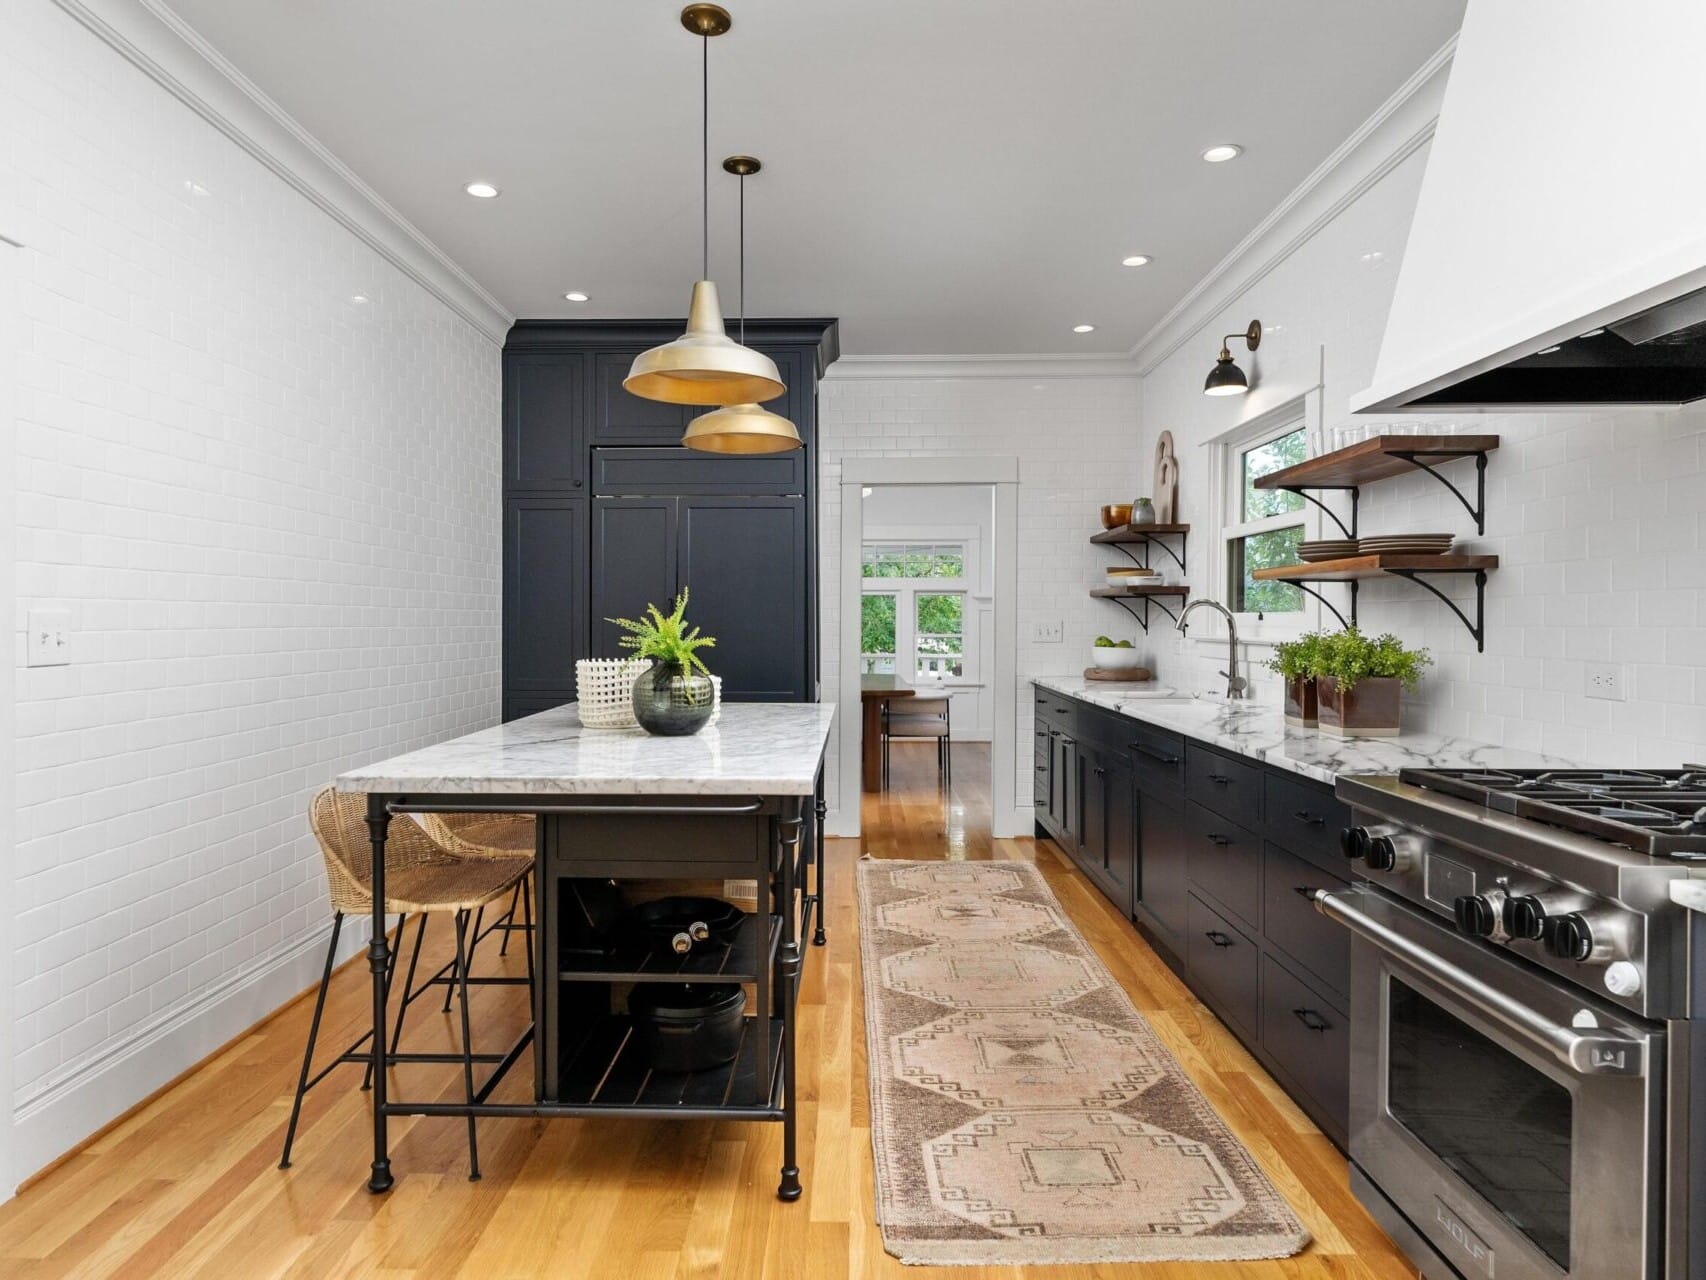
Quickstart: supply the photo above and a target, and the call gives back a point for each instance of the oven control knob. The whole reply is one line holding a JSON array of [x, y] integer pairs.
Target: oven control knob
[[1568, 937], [1353, 842], [1476, 915], [1623, 978], [1525, 917]]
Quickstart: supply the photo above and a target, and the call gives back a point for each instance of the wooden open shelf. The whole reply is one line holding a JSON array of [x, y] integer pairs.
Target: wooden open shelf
[[1116, 593], [1136, 533], [1379, 458], [1356, 568]]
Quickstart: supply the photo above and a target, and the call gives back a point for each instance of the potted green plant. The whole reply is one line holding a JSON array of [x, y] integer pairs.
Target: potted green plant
[[1358, 681], [674, 696], [1294, 662]]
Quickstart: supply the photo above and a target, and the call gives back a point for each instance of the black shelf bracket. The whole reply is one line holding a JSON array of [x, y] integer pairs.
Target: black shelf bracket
[[1329, 605], [1477, 628], [1477, 509], [1156, 539], [1142, 619], [1302, 491]]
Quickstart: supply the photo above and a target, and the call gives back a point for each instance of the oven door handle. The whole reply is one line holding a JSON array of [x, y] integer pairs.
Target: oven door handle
[[1591, 1054]]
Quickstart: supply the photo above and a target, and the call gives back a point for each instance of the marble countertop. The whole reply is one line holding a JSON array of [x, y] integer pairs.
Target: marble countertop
[[1260, 732], [755, 748]]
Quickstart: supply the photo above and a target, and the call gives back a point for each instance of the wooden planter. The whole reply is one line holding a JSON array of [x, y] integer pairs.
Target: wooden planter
[[1300, 706], [1369, 710]]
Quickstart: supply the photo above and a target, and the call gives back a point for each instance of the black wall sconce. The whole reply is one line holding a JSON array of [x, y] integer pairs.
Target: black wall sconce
[[1226, 378]]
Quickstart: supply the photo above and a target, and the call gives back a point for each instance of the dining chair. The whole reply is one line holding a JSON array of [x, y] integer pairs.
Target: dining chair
[[921, 717], [422, 878]]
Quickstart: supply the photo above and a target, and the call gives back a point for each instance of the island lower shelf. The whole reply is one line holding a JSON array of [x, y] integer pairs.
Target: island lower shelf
[[607, 1070]]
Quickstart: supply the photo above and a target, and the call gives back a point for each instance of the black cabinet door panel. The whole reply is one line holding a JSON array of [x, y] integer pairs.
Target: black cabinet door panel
[[1225, 862], [545, 592], [544, 403], [1119, 835], [1161, 877], [633, 564], [744, 560], [661, 470], [1291, 922], [1309, 1038], [621, 418], [1224, 964]]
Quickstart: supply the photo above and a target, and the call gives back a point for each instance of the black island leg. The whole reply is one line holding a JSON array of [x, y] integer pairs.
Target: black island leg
[[789, 826], [821, 809], [378, 957]]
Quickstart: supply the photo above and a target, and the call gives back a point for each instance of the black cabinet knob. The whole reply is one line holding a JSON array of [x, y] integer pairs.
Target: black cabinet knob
[[1525, 917], [1474, 915]]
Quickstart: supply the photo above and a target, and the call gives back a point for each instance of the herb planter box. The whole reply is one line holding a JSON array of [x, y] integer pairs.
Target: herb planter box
[[1369, 709], [1300, 702]]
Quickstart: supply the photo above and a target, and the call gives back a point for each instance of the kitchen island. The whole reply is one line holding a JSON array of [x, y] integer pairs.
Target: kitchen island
[[742, 799]]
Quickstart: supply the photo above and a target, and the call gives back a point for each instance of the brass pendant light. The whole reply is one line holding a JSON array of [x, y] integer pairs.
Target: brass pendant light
[[704, 366], [742, 428]]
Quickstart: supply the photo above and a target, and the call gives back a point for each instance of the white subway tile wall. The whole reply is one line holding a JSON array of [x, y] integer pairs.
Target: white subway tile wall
[[1078, 446], [260, 468], [1596, 517]]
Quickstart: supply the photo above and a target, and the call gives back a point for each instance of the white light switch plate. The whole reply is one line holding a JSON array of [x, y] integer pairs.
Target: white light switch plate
[[49, 638], [1605, 680], [1046, 632]]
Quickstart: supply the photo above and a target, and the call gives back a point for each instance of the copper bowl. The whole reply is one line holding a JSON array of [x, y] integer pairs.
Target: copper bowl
[[1116, 516]]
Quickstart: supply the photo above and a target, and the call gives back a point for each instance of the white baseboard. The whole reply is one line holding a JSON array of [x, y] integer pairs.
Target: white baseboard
[[57, 1118]]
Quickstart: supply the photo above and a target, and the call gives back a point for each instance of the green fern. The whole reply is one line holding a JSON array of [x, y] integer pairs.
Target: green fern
[[666, 639]]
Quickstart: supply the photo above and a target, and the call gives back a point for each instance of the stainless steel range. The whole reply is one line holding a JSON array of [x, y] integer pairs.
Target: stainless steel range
[[1528, 1088]]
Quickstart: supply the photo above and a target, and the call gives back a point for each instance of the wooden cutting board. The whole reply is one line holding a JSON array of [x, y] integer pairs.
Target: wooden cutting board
[[1134, 675]]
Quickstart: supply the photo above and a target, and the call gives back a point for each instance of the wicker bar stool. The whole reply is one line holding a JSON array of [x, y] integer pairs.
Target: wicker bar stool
[[421, 878]]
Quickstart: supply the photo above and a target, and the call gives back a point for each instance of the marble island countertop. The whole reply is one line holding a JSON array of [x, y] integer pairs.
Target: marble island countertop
[[755, 748], [1259, 731]]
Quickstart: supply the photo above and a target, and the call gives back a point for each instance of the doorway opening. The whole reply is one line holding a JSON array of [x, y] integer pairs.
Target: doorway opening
[[926, 649]]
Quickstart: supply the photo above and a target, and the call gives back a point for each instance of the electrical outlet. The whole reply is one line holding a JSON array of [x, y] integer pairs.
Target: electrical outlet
[[49, 637], [1605, 680], [1047, 632]]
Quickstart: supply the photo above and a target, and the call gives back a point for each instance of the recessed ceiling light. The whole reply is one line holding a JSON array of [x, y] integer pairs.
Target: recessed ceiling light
[[575, 295], [360, 299], [1373, 255], [1546, 351], [195, 188], [1593, 333], [481, 190], [865, 491], [1083, 328], [1221, 152], [1136, 260]]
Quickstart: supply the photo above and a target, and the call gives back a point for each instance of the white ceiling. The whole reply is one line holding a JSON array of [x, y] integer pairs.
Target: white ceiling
[[945, 176]]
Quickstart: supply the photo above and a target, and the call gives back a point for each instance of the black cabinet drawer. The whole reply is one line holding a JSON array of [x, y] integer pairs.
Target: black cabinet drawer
[[1223, 962], [1308, 1037], [1039, 741], [617, 472], [1305, 818], [1291, 922], [1226, 786], [1225, 861], [1102, 727], [1057, 711], [1040, 790], [1157, 758]]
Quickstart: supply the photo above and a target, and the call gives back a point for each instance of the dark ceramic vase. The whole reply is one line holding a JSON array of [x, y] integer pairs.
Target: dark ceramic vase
[[672, 703]]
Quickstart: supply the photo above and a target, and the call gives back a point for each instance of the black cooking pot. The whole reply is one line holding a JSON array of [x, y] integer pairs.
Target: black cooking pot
[[680, 924], [687, 1026]]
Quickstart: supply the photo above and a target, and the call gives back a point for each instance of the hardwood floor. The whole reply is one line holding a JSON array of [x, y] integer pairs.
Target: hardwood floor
[[189, 1186]]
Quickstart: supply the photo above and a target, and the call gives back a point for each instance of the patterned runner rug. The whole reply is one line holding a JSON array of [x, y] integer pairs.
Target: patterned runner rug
[[1022, 1110]]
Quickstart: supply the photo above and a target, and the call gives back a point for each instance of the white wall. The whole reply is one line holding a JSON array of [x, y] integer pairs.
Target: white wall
[[904, 512], [272, 513], [1596, 517], [1075, 434], [10, 1173]]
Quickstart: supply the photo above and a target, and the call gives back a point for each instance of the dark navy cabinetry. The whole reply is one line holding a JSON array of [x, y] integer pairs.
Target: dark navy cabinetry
[[1214, 857], [605, 512]]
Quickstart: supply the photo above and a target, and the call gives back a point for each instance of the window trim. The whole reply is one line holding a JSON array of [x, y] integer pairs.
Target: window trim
[[969, 586]]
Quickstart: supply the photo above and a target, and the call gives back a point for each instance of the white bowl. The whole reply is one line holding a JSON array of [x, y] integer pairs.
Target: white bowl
[[1111, 659]]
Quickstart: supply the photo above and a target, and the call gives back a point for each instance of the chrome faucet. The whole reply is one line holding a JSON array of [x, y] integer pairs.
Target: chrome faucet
[[1236, 685]]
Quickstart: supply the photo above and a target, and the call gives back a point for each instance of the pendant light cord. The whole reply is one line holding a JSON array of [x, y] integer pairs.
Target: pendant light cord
[[743, 259], [705, 154]]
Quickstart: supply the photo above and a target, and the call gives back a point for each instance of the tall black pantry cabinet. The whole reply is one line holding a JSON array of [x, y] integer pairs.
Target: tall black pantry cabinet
[[604, 511]]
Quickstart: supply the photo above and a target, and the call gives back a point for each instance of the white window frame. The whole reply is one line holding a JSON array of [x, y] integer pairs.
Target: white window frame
[[1224, 463], [907, 590]]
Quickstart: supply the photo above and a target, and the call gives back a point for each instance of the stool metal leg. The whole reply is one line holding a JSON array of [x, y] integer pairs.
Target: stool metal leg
[[467, 1040], [449, 989], [509, 920], [390, 974], [313, 1035], [408, 981]]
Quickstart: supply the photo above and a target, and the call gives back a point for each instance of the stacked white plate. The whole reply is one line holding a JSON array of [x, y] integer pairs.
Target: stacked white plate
[[1326, 549], [1406, 544]]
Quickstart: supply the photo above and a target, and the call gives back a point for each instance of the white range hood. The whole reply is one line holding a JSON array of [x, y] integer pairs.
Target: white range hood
[[1565, 192]]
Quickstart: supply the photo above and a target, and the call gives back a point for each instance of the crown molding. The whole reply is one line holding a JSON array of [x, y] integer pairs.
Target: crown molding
[[858, 368], [171, 53], [1398, 127]]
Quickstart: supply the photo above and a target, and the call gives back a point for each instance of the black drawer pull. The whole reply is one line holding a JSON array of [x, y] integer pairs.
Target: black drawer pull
[[1312, 1020], [1301, 890], [1042, 768], [1314, 820], [1099, 771], [1218, 938], [1063, 710], [1151, 753], [1219, 779], [1216, 839]]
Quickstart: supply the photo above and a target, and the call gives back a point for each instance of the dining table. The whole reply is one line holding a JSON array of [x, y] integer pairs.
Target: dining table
[[875, 693]]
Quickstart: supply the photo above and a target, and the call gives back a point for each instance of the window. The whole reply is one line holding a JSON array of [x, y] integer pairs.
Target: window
[[1263, 526], [914, 622]]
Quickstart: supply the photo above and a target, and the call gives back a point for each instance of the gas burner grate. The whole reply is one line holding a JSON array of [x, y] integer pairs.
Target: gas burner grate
[[1661, 812]]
